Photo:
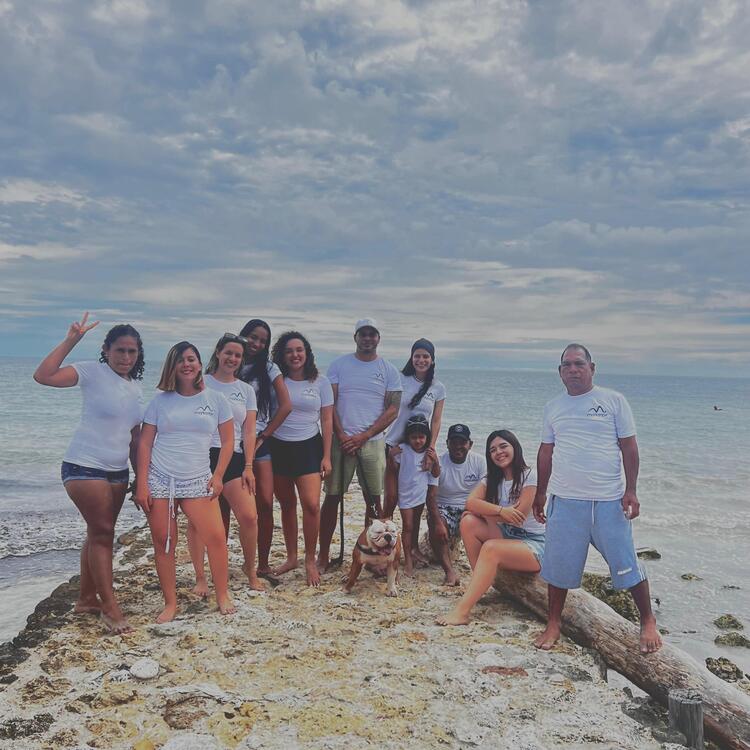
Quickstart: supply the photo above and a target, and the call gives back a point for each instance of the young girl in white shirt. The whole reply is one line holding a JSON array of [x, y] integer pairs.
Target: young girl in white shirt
[[95, 467], [174, 470]]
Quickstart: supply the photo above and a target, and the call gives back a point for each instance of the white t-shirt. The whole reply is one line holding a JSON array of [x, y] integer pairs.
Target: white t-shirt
[[425, 407], [184, 426], [458, 480], [413, 480], [241, 399], [586, 461], [361, 391], [112, 406], [503, 490], [307, 398], [262, 420]]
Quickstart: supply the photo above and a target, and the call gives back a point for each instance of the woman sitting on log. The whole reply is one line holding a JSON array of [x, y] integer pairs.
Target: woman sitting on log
[[497, 530]]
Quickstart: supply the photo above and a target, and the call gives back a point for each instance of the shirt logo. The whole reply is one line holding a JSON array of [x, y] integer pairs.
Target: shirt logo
[[597, 411], [471, 477], [379, 376], [236, 396], [206, 411], [310, 393], [430, 395]]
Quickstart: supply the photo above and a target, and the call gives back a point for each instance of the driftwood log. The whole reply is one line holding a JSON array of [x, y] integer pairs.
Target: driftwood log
[[591, 623]]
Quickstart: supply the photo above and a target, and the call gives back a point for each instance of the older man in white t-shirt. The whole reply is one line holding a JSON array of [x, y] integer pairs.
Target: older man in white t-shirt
[[367, 394], [588, 461]]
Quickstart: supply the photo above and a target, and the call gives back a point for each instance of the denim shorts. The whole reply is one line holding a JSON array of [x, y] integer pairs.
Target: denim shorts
[[535, 542], [264, 452], [69, 472], [574, 524]]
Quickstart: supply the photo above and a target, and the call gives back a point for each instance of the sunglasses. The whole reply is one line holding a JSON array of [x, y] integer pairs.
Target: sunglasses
[[234, 337]]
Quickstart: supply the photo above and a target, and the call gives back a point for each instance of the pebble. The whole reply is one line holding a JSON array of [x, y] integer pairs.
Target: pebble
[[145, 669]]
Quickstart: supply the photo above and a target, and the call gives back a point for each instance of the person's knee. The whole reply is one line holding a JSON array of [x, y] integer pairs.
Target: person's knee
[[247, 518], [101, 533], [214, 538]]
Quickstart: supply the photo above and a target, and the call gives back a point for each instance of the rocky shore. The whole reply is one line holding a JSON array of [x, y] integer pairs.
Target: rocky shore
[[305, 668]]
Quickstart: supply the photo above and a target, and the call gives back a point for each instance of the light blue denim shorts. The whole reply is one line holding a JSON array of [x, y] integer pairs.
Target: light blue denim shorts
[[574, 524], [535, 542]]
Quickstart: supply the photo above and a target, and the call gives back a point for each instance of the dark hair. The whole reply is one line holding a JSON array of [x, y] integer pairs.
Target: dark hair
[[495, 474], [429, 375], [424, 429], [309, 370], [213, 363], [257, 370], [168, 379], [125, 329], [586, 352]]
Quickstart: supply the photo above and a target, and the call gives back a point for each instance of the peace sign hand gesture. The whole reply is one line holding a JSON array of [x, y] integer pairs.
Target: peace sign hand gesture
[[77, 330]]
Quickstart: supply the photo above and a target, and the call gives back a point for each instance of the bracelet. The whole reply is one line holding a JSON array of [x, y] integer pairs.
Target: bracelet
[[249, 465], [500, 513]]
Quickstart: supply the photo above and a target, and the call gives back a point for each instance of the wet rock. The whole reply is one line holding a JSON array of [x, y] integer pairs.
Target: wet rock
[[728, 622], [648, 553], [10, 657], [145, 669], [732, 639], [690, 577], [724, 668], [731, 587], [127, 538], [12, 729], [621, 601]]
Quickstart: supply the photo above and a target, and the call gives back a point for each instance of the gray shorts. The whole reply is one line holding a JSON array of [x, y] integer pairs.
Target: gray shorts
[[574, 524]]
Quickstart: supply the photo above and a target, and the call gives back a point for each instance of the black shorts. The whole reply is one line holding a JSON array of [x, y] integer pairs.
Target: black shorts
[[235, 468], [297, 458]]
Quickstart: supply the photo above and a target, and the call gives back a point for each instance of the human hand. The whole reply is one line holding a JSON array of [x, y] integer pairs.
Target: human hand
[[215, 486], [540, 500], [429, 459], [513, 516], [248, 480], [78, 330], [630, 505], [143, 500], [325, 468], [352, 443]]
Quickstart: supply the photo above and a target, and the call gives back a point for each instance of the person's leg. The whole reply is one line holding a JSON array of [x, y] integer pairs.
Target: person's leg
[[370, 472], [87, 602], [197, 556], [475, 531], [407, 524], [442, 552], [99, 503], [417, 556], [226, 515], [206, 517], [242, 504], [650, 640], [337, 483], [308, 486], [496, 554], [551, 634], [328, 514], [287, 497], [264, 503], [163, 526]]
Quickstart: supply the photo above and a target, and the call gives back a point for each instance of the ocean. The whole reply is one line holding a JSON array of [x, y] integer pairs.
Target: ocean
[[694, 474]]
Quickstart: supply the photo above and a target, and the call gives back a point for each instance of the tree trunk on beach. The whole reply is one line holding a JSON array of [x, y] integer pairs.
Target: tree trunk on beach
[[590, 622]]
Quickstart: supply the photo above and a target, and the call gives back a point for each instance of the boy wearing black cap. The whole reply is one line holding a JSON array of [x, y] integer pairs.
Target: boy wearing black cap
[[414, 485]]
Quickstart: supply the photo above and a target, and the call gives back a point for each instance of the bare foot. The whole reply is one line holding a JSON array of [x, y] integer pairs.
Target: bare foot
[[322, 564], [252, 579], [453, 618], [546, 640], [167, 614], [419, 557], [115, 621], [650, 638], [451, 579], [201, 588], [263, 571], [226, 606], [409, 569], [285, 567], [87, 607], [313, 574]]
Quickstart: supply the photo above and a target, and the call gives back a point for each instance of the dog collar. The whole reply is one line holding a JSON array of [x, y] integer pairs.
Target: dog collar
[[370, 550]]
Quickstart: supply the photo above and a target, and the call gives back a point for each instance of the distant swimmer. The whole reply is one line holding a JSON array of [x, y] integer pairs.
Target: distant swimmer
[[716, 408]]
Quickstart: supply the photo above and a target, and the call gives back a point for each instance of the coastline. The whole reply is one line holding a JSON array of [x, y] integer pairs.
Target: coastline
[[300, 667]]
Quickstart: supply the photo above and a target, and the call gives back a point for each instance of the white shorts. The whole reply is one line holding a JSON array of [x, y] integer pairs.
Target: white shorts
[[161, 485]]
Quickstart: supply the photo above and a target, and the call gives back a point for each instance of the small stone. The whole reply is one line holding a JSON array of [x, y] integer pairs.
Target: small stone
[[648, 553], [145, 669], [724, 668], [728, 622], [690, 577], [731, 587], [732, 639]]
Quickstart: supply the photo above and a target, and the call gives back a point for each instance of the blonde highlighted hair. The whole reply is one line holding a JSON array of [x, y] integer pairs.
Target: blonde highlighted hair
[[168, 379]]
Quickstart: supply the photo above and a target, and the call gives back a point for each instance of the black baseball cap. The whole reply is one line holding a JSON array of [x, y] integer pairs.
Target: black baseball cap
[[417, 423], [459, 431]]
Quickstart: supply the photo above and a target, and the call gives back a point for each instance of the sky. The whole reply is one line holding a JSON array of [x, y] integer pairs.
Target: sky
[[501, 177]]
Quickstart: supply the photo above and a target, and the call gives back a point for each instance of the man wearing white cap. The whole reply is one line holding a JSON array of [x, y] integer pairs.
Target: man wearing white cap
[[367, 394]]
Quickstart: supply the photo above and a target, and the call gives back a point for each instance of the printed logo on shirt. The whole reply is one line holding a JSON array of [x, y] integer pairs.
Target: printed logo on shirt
[[236, 396], [430, 395], [471, 477], [310, 393], [597, 411], [206, 410], [379, 376]]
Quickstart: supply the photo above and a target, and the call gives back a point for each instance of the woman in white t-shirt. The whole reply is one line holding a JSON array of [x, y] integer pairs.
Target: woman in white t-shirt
[[301, 449], [95, 467], [422, 394], [497, 530], [239, 480], [174, 470], [273, 407]]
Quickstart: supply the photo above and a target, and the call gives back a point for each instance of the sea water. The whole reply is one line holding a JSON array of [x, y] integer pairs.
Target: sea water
[[693, 486]]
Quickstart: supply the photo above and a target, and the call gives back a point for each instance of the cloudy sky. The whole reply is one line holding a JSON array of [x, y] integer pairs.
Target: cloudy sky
[[502, 177]]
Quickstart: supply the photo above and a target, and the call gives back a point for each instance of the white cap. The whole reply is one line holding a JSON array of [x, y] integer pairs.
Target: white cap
[[365, 322]]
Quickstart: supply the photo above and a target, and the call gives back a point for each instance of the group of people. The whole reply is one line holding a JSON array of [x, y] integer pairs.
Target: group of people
[[260, 421]]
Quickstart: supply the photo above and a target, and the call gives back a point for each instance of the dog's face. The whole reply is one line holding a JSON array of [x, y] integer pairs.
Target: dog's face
[[382, 536]]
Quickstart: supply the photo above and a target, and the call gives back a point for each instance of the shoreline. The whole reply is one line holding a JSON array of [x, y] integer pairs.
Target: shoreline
[[299, 667]]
